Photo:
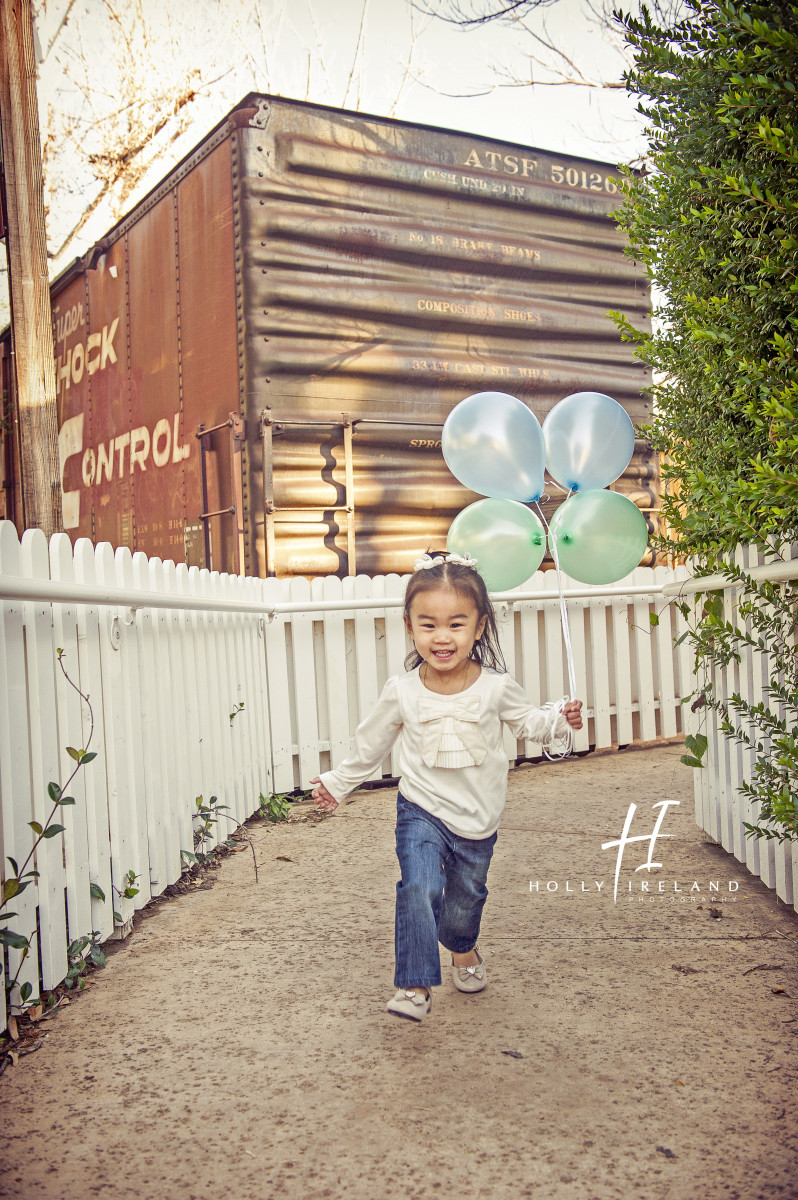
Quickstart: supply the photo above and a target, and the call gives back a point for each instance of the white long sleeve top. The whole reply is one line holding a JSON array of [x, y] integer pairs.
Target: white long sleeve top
[[452, 759]]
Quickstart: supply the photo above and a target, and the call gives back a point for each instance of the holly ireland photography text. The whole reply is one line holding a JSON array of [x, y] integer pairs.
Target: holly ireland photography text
[[645, 888]]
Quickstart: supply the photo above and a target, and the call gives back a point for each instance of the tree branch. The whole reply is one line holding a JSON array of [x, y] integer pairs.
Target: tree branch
[[500, 10]]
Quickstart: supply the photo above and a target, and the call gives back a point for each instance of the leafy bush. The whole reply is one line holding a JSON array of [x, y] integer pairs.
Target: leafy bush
[[715, 219]]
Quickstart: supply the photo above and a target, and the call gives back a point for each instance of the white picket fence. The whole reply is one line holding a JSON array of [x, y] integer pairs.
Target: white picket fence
[[720, 807], [163, 682]]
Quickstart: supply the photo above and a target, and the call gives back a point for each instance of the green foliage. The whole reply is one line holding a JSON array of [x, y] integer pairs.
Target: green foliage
[[206, 817], [83, 953], [128, 890], [768, 728], [275, 807], [22, 876], [697, 748], [715, 220]]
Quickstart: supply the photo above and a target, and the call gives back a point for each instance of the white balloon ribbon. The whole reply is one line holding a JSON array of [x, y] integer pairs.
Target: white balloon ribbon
[[569, 653]]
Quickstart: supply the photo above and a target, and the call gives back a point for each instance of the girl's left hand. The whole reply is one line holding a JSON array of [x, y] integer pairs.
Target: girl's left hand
[[572, 711], [322, 797]]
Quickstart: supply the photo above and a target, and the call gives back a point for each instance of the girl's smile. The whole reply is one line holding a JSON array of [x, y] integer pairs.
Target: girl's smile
[[444, 624]]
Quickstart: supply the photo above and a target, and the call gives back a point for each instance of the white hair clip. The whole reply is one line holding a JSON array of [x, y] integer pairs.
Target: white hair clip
[[426, 561], [421, 564], [463, 560]]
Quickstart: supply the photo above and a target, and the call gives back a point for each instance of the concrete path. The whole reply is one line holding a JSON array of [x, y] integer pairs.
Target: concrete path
[[237, 1044]]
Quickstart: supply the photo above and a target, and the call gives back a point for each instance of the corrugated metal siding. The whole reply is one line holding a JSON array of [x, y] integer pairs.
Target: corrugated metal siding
[[208, 346], [390, 271], [146, 351], [325, 267]]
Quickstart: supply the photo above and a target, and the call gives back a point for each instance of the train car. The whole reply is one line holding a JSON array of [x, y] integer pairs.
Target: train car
[[255, 364]]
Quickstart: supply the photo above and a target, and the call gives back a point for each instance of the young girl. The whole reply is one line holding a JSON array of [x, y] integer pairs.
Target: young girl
[[449, 709]]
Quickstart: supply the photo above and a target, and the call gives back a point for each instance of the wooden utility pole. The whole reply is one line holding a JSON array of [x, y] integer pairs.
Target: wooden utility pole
[[31, 321]]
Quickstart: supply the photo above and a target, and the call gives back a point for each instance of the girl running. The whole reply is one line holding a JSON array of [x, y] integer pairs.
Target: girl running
[[449, 708]]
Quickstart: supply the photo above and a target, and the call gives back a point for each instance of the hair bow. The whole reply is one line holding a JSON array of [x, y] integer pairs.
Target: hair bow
[[421, 564], [426, 561]]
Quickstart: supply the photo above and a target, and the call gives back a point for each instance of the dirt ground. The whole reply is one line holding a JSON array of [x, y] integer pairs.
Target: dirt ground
[[237, 1044]]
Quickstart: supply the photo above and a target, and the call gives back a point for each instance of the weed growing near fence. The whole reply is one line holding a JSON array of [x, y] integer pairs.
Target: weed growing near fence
[[81, 954], [206, 818], [275, 807]]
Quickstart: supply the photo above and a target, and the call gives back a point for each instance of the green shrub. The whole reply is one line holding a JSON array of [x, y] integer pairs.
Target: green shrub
[[715, 219]]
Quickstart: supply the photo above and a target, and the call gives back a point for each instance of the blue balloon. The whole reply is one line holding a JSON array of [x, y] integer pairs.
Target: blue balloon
[[589, 441], [494, 445]]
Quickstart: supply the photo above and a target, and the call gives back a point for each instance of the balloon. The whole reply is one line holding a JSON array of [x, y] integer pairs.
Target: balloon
[[494, 445], [601, 536], [589, 441], [505, 537]]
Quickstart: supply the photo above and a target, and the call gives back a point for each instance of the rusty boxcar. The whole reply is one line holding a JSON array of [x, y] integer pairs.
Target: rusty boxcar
[[255, 364]]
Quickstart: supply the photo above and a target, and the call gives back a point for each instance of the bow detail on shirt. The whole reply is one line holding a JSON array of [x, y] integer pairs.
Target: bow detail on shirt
[[457, 715]]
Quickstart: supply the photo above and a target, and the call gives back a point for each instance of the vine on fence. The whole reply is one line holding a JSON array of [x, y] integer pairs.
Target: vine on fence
[[25, 873], [766, 625]]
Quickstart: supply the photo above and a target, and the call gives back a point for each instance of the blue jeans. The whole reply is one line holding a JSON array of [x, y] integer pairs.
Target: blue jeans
[[440, 896]]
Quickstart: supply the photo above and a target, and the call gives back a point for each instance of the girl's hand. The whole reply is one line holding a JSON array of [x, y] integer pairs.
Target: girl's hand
[[572, 711], [323, 798]]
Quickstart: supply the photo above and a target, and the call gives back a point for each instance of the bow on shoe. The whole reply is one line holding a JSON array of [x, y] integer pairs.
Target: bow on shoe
[[458, 715]]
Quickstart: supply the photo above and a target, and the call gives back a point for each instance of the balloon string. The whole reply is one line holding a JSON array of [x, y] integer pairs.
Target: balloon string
[[557, 751], [566, 630]]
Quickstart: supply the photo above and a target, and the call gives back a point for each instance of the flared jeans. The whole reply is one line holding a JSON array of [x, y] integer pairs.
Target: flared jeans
[[440, 896]]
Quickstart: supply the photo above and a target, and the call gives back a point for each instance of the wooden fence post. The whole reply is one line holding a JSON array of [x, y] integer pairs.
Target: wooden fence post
[[31, 320]]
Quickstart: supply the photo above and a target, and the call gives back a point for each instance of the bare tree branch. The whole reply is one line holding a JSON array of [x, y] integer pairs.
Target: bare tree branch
[[356, 54], [117, 136], [453, 12], [557, 68], [408, 64], [61, 25]]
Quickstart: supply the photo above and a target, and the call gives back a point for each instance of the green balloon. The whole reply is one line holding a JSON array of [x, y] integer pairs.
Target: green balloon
[[601, 536], [505, 537]]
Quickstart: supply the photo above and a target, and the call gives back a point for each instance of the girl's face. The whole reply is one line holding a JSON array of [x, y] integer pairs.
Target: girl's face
[[444, 624]]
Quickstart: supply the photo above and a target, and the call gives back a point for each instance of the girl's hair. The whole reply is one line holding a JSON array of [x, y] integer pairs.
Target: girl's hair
[[486, 650]]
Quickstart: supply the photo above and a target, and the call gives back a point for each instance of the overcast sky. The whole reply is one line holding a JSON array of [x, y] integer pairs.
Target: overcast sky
[[392, 61]]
